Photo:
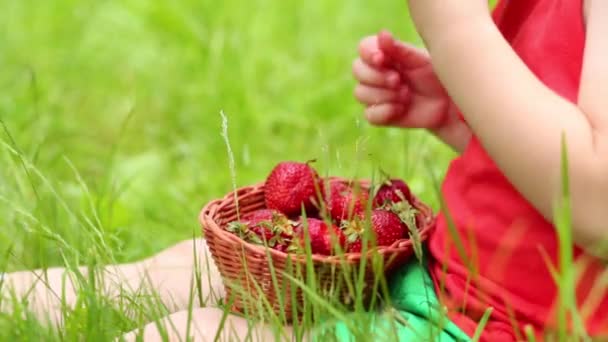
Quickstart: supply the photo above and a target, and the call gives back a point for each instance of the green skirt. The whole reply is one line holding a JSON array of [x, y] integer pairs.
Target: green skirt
[[415, 314]]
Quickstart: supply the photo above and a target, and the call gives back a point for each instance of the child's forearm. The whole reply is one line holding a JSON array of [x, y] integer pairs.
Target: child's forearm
[[520, 122]]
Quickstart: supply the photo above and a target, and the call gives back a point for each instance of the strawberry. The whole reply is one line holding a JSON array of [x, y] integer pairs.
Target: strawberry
[[321, 239], [260, 219], [354, 247], [282, 248], [291, 185], [386, 226], [264, 225], [392, 191], [395, 195], [345, 201]]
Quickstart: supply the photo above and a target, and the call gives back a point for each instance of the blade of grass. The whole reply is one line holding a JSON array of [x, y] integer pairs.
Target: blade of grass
[[566, 287], [482, 324], [231, 165], [530, 333], [320, 301]]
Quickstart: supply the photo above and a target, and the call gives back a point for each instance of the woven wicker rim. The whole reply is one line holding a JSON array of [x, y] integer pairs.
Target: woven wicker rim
[[209, 211]]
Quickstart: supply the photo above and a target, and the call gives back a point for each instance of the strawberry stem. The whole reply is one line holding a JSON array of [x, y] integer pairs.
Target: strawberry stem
[[407, 214]]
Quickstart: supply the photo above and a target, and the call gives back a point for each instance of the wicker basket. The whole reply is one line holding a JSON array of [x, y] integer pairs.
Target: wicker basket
[[247, 276]]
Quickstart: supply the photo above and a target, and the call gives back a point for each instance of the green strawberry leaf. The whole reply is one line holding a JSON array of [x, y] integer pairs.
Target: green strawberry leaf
[[407, 213], [254, 238]]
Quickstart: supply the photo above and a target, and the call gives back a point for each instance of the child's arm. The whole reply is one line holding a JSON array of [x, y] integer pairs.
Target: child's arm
[[518, 119]]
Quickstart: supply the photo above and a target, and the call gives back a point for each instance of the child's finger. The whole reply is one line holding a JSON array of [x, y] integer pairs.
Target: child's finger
[[406, 56], [374, 77], [369, 52], [386, 42], [385, 113], [371, 95]]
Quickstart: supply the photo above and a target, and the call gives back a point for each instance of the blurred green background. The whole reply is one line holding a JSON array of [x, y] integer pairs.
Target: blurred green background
[[111, 127]]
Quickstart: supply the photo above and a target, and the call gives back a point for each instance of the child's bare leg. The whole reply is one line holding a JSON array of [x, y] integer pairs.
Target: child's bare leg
[[174, 270], [203, 324], [168, 274]]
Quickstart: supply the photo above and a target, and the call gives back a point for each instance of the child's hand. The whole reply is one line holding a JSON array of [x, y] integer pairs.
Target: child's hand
[[398, 85]]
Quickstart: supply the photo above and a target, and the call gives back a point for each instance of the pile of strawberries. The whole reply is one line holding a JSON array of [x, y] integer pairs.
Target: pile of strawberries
[[336, 214]]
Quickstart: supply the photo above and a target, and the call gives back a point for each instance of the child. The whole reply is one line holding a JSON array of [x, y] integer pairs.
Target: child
[[520, 84], [501, 90]]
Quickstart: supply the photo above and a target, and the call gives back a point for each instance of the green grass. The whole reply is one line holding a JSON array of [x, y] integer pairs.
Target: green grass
[[126, 95], [111, 133], [111, 129]]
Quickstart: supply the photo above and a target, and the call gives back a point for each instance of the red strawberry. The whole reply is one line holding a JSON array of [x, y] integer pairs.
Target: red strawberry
[[354, 247], [386, 226], [264, 224], [291, 185], [282, 248], [392, 191], [346, 201], [391, 196], [321, 239], [269, 218]]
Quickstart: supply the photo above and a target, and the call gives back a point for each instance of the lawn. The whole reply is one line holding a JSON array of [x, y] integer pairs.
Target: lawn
[[111, 133], [111, 141], [115, 106]]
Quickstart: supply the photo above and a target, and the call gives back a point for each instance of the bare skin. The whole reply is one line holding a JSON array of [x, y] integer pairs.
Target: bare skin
[[391, 91], [398, 87], [523, 138], [167, 274]]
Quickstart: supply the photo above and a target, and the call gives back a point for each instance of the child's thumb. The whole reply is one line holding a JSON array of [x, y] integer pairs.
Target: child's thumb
[[386, 43], [399, 53]]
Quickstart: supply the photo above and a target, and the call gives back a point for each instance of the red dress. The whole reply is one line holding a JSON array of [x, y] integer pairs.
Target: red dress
[[502, 233]]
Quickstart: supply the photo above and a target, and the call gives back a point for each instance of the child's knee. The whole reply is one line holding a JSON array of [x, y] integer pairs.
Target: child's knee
[[173, 271], [183, 253]]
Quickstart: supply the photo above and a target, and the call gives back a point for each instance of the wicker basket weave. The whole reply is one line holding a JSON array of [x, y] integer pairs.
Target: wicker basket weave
[[245, 269]]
